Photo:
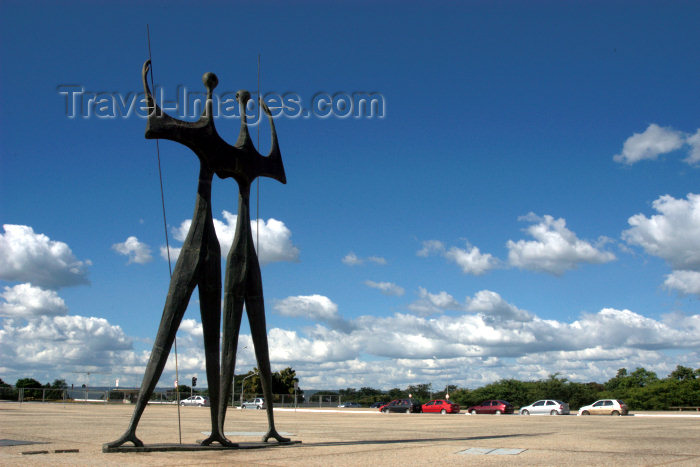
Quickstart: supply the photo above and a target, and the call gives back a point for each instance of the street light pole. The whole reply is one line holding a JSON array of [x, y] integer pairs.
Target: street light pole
[[242, 386]]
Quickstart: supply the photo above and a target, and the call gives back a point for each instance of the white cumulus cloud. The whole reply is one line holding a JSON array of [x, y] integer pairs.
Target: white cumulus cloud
[[686, 282], [26, 256], [387, 288], [470, 259], [430, 247], [694, 154], [174, 253], [28, 301], [673, 234], [313, 307], [191, 327], [275, 239], [655, 140], [428, 303], [494, 307], [137, 252], [555, 249], [61, 342], [321, 345], [351, 259]]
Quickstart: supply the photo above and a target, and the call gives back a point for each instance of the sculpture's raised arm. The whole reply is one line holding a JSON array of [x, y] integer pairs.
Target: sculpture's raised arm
[[252, 164], [160, 125]]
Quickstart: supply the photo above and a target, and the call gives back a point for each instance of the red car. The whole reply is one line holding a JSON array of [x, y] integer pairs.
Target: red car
[[440, 405], [493, 406]]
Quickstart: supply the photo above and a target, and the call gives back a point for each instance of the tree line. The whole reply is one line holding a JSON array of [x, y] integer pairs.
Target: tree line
[[33, 388], [641, 389]]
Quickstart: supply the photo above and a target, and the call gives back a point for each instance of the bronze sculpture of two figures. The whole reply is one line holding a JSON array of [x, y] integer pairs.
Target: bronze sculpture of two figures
[[199, 262]]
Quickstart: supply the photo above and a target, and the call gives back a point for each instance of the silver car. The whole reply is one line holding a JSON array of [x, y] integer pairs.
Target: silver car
[[605, 407], [198, 401], [257, 403], [546, 407]]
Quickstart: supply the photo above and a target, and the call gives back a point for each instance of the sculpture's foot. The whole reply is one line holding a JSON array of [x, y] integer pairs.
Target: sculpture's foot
[[273, 434], [125, 438], [219, 438]]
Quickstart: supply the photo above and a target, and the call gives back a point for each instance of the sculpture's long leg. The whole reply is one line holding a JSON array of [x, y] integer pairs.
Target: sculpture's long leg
[[255, 307], [233, 311], [210, 304], [182, 285], [234, 289]]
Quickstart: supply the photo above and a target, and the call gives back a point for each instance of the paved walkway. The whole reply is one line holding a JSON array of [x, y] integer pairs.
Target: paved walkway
[[335, 437]]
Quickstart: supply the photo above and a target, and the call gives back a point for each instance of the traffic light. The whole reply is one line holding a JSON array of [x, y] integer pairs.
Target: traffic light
[[194, 381]]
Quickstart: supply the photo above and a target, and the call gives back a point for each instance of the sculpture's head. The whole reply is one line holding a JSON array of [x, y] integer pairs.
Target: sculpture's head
[[243, 96], [210, 80]]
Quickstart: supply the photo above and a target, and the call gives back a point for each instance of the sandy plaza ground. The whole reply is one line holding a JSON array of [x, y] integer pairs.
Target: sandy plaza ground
[[73, 434]]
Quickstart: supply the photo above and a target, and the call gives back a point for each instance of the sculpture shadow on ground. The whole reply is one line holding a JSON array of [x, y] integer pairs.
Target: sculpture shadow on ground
[[420, 440]]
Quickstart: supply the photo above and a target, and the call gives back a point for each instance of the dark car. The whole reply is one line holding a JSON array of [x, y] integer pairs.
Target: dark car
[[440, 406], [491, 407], [350, 405], [376, 405], [402, 406]]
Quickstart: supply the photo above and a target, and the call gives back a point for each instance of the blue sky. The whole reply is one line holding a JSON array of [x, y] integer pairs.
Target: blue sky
[[527, 203]]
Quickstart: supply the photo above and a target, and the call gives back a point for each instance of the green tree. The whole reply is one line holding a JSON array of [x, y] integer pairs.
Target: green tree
[[252, 385], [287, 377], [368, 396], [642, 377], [369, 392], [617, 381], [396, 393], [7, 392], [682, 373], [348, 394], [420, 392], [30, 386], [57, 388], [283, 383], [462, 397], [510, 390], [59, 384], [27, 383], [185, 391], [581, 394], [553, 387]]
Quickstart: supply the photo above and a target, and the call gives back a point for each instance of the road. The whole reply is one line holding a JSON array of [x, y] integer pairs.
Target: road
[[351, 437]]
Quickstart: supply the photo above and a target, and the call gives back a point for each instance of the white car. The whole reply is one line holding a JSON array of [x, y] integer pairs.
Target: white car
[[605, 407], [199, 401], [257, 403], [546, 407]]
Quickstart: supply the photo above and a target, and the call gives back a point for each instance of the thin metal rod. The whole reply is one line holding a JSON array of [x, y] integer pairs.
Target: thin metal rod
[[167, 243], [257, 214]]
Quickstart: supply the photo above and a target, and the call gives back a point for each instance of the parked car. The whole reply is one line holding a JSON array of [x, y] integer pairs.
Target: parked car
[[546, 407], [605, 407], [257, 403], [350, 405], [376, 405], [491, 407], [440, 405], [402, 406], [199, 401]]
